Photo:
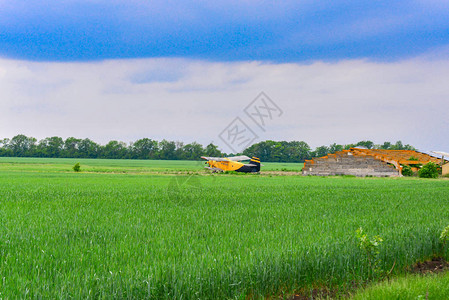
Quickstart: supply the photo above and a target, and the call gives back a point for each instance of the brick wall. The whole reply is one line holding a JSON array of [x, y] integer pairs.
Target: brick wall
[[344, 163]]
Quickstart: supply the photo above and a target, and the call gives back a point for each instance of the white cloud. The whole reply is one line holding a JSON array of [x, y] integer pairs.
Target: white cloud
[[191, 100]]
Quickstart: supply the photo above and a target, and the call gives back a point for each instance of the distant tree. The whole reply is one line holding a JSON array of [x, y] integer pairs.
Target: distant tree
[[212, 150], [335, 147], [386, 145], [144, 149], [293, 151], [400, 146], [278, 151], [193, 151], [408, 147], [321, 151], [366, 144], [3, 146], [71, 147], [298, 151], [21, 145], [167, 150], [4, 150], [261, 150], [89, 149], [272, 151], [115, 149], [349, 146], [179, 150], [4, 142], [50, 147], [253, 150]]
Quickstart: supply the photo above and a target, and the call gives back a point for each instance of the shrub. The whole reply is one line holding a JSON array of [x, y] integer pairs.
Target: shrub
[[407, 171], [429, 170], [444, 238], [77, 167], [418, 166], [371, 248]]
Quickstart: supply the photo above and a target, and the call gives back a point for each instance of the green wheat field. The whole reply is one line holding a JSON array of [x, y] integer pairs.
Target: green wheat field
[[170, 230]]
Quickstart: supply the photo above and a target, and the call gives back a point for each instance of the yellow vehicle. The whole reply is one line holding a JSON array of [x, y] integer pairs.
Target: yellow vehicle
[[221, 164]]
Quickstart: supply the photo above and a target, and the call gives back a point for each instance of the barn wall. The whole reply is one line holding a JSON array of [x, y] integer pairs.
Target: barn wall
[[445, 169], [348, 164]]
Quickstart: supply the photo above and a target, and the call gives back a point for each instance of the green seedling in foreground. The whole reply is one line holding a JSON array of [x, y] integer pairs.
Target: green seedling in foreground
[[444, 238], [77, 167], [371, 248]]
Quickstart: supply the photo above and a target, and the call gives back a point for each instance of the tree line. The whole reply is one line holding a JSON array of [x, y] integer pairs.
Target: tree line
[[269, 151], [295, 151]]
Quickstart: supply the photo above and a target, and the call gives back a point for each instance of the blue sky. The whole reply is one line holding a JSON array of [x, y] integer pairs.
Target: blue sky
[[276, 31], [341, 71]]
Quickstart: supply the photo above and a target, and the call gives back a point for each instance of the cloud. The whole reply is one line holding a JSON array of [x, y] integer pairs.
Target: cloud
[[194, 100], [278, 31]]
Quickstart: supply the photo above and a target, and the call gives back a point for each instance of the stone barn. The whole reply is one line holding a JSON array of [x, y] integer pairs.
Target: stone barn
[[366, 162]]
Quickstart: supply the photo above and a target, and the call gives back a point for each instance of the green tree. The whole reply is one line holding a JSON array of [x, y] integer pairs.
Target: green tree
[[407, 170], [349, 146], [397, 146], [21, 145], [335, 147], [167, 150], [264, 150], [144, 149], [89, 149], [366, 144], [192, 151], [400, 146], [320, 151], [429, 170], [179, 150], [212, 150], [272, 151], [76, 167], [115, 150], [50, 147], [71, 147], [386, 145], [4, 150], [298, 151], [4, 142]]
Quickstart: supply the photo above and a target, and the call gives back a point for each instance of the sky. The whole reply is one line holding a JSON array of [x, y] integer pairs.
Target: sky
[[332, 71]]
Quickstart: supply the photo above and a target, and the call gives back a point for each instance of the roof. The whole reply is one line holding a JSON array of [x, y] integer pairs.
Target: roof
[[394, 157], [403, 157]]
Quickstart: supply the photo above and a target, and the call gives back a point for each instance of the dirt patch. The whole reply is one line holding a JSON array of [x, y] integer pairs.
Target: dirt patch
[[281, 173], [314, 294], [435, 265], [432, 266]]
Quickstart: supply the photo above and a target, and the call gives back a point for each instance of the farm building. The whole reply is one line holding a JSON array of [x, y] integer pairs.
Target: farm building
[[367, 162]]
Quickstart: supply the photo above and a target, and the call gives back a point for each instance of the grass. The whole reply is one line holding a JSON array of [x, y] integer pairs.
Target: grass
[[124, 235], [121, 165], [409, 287]]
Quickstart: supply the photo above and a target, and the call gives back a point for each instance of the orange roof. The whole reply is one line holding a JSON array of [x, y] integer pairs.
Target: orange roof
[[403, 157], [394, 157]]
